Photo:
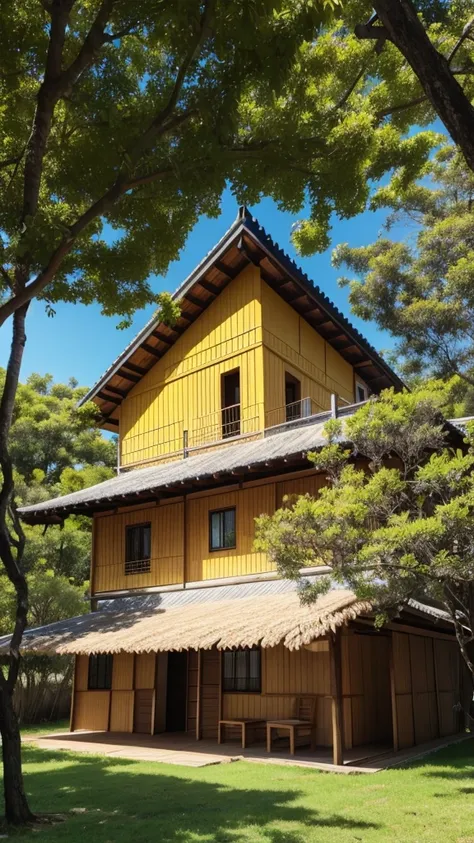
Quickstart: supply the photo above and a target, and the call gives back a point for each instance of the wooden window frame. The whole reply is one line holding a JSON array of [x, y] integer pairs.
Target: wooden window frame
[[144, 563], [93, 672], [360, 385], [228, 546], [246, 690]]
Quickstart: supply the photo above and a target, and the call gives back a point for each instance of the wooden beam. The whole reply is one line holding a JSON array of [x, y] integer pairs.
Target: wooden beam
[[152, 349], [198, 702], [188, 316], [162, 337], [230, 271], [140, 370], [73, 694], [194, 300], [128, 376], [116, 391], [103, 395], [363, 364], [336, 697], [393, 696], [211, 288]]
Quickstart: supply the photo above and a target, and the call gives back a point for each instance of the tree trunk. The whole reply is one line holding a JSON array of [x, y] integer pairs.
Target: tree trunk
[[17, 810], [11, 553], [405, 30]]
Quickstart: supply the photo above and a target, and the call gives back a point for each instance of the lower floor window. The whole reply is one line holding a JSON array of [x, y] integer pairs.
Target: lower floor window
[[242, 670], [100, 673]]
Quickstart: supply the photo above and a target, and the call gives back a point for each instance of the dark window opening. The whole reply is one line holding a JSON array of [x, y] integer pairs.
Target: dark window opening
[[230, 389], [222, 529], [361, 393], [100, 673], [241, 670], [138, 549], [292, 397]]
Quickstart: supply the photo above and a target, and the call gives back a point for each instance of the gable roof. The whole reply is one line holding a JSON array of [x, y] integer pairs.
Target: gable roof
[[244, 242]]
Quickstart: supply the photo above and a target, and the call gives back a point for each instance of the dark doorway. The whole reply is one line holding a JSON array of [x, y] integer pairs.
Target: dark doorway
[[176, 689], [292, 397], [231, 404]]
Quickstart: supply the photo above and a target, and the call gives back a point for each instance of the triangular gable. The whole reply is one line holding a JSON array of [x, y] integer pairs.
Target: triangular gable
[[245, 242]]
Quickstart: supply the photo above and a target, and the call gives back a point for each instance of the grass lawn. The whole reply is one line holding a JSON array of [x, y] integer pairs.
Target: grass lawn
[[117, 801], [35, 729]]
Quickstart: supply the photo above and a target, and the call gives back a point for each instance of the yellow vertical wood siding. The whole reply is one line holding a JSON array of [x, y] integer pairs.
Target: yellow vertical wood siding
[[203, 564], [168, 566], [122, 672], [167, 548], [291, 345], [183, 390]]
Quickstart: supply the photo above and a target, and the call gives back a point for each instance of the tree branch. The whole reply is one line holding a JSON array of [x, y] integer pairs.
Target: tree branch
[[465, 34]]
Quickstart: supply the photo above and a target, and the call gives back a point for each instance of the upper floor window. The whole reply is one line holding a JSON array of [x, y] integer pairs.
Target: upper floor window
[[137, 549], [241, 670], [222, 529], [292, 397], [362, 393], [100, 673], [230, 398]]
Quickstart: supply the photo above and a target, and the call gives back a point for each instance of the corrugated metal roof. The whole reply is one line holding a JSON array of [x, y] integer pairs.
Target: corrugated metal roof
[[287, 443]]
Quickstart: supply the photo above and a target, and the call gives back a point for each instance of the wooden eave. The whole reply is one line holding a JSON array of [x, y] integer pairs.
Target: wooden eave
[[244, 243]]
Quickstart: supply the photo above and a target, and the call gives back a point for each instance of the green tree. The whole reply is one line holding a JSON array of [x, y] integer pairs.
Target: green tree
[[421, 288], [395, 520], [123, 122]]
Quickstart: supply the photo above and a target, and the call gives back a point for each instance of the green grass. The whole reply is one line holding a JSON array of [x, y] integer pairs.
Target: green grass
[[116, 801], [34, 729]]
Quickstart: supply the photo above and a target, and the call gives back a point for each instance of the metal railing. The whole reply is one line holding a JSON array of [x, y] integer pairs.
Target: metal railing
[[301, 409], [177, 440]]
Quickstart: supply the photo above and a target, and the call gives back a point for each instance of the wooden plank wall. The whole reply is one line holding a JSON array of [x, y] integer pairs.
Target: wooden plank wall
[[193, 679], [291, 345], [210, 693], [128, 707], [286, 676], [426, 687], [366, 689], [183, 390]]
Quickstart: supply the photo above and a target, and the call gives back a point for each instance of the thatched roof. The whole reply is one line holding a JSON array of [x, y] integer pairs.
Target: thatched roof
[[265, 619]]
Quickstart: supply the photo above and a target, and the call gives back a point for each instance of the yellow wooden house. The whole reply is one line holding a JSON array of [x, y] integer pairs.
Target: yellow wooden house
[[191, 629]]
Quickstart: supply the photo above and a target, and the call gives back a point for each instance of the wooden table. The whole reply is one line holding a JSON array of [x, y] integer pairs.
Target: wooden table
[[293, 727], [243, 723]]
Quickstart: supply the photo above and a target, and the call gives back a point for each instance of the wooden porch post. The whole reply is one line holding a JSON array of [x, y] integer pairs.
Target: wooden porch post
[[198, 704], [393, 695], [336, 697], [73, 696]]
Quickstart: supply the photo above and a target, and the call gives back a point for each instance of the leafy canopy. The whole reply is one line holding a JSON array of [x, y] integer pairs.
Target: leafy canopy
[[395, 520], [155, 107], [421, 289]]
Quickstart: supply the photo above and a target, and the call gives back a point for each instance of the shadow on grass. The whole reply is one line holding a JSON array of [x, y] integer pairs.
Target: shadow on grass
[[112, 799]]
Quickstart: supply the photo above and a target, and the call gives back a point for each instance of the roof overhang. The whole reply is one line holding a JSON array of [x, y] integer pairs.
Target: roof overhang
[[245, 242]]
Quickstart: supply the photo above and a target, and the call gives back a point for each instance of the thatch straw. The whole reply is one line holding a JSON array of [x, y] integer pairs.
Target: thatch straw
[[266, 620]]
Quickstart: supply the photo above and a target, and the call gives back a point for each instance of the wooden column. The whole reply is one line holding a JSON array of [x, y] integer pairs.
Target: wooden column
[[393, 696], [73, 696], [198, 704], [336, 697]]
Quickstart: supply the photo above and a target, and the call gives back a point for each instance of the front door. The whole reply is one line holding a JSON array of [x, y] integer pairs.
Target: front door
[[176, 689]]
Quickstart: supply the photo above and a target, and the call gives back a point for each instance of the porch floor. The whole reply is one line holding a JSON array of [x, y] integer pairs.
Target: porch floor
[[184, 750]]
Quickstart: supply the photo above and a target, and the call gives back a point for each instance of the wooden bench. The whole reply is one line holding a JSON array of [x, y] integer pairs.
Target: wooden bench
[[303, 723], [241, 723]]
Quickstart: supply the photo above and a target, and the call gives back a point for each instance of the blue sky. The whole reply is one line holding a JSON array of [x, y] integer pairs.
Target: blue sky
[[80, 342]]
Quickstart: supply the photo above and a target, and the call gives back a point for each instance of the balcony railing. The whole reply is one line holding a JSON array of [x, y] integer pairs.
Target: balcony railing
[[180, 439]]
